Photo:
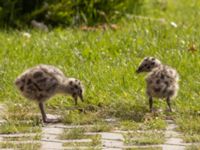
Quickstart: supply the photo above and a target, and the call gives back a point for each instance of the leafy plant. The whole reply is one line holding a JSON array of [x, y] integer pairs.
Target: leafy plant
[[65, 12]]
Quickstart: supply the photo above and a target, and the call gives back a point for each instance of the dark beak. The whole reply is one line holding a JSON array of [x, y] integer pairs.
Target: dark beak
[[138, 70]]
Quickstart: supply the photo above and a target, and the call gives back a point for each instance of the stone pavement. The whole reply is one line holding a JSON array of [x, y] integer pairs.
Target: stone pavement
[[109, 140]]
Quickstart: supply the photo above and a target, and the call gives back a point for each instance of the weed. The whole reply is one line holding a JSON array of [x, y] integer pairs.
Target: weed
[[23, 138], [144, 138], [77, 133], [78, 118], [101, 127], [30, 146], [13, 127], [193, 147]]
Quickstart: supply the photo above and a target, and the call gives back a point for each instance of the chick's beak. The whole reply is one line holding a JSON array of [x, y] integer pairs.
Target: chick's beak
[[137, 71]]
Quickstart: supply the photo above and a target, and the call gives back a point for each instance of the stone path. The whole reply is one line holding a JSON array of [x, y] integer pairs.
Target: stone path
[[108, 140], [50, 138], [173, 140], [112, 141]]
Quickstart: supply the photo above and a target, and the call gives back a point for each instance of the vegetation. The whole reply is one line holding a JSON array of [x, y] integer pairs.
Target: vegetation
[[65, 12], [153, 124], [30, 146], [95, 143], [193, 147], [145, 138], [106, 60], [77, 133], [77, 118], [149, 148], [23, 138], [101, 127], [189, 125]]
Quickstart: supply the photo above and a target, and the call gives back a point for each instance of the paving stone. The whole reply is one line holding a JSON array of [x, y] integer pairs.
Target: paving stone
[[2, 107], [169, 121], [111, 136], [141, 146], [2, 121], [111, 148], [69, 126], [111, 120], [67, 141], [51, 145], [52, 132], [53, 148], [49, 138], [138, 131], [171, 127], [19, 135], [173, 147], [112, 140], [112, 144], [134, 146], [173, 142], [22, 142], [169, 134], [78, 141], [79, 148]]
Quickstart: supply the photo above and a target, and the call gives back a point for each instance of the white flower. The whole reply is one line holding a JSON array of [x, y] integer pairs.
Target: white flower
[[173, 24], [26, 34]]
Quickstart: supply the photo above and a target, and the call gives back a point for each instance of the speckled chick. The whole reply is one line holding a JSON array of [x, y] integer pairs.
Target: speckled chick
[[162, 80], [44, 81]]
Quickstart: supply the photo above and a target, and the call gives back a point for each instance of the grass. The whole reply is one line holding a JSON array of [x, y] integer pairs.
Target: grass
[[30, 146], [191, 138], [106, 62], [77, 144], [22, 138], [189, 124], [144, 138], [96, 142], [150, 148], [19, 119], [153, 123], [21, 112], [193, 147], [129, 125], [77, 133], [8, 128], [101, 127], [78, 118]]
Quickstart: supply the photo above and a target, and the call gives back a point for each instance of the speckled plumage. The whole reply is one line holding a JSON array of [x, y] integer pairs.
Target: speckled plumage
[[44, 81], [162, 80]]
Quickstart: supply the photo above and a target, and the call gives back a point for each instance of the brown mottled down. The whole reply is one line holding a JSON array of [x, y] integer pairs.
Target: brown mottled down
[[162, 80], [44, 81]]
